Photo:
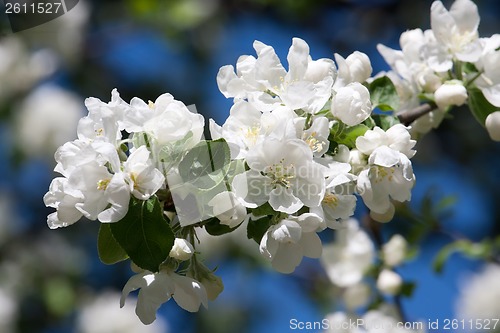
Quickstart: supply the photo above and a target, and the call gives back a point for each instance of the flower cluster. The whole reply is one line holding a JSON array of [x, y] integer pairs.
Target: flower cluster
[[447, 65], [299, 147], [309, 145]]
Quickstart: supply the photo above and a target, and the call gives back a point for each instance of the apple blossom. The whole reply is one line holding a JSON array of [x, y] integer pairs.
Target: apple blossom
[[286, 242], [351, 104], [450, 93], [348, 258], [457, 29], [181, 250], [355, 68], [283, 173], [389, 282], [394, 251], [158, 288], [265, 83], [479, 294], [228, 209]]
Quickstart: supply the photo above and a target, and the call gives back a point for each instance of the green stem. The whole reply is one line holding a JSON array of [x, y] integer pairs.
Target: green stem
[[474, 78]]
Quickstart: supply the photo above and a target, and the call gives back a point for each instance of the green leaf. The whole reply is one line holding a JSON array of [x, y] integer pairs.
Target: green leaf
[[215, 228], [205, 158], [257, 228], [110, 252], [383, 94], [481, 250], [263, 210], [385, 121], [349, 135], [144, 233], [479, 106]]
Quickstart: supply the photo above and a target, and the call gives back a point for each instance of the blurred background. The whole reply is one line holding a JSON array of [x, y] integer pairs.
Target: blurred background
[[53, 281]]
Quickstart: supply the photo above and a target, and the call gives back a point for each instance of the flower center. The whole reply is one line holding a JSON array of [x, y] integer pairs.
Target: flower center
[[315, 144], [103, 184], [381, 173], [331, 200], [251, 134], [281, 174]]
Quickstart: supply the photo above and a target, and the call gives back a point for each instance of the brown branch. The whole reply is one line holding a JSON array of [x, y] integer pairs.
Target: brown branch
[[406, 118]]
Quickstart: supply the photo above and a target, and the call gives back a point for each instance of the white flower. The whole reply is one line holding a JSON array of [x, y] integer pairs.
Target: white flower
[[63, 197], [286, 242], [167, 120], [104, 121], [246, 126], [21, 68], [394, 251], [158, 288], [264, 82], [89, 187], [350, 256], [181, 250], [315, 136], [352, 104], [142, 177], [228, 209], [397, 138], [339, 202], [389, 282], [450, 93], [47, 119], [479, 295], [457, 29], [212, 283], [489, 81], [283, 173], [356, 295], [102, 315], [493, 125], [389, 174], [355, 68]]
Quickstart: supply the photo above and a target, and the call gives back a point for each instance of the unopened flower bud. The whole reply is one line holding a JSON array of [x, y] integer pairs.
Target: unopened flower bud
[[389, 282], [493, 125], [182, 249], [450, 93], [394, 251], [359, 66], [352, 104]]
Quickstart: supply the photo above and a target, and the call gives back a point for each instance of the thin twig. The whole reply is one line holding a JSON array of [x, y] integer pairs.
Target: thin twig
[[406, 118]]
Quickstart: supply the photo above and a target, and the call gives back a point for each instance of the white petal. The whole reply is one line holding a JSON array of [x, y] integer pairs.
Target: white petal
[[442, 23], [287, 258], [189, 293], [466, 15], [225, 77], [283, 200], [311, 245], [298, 58], [492, 94]]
